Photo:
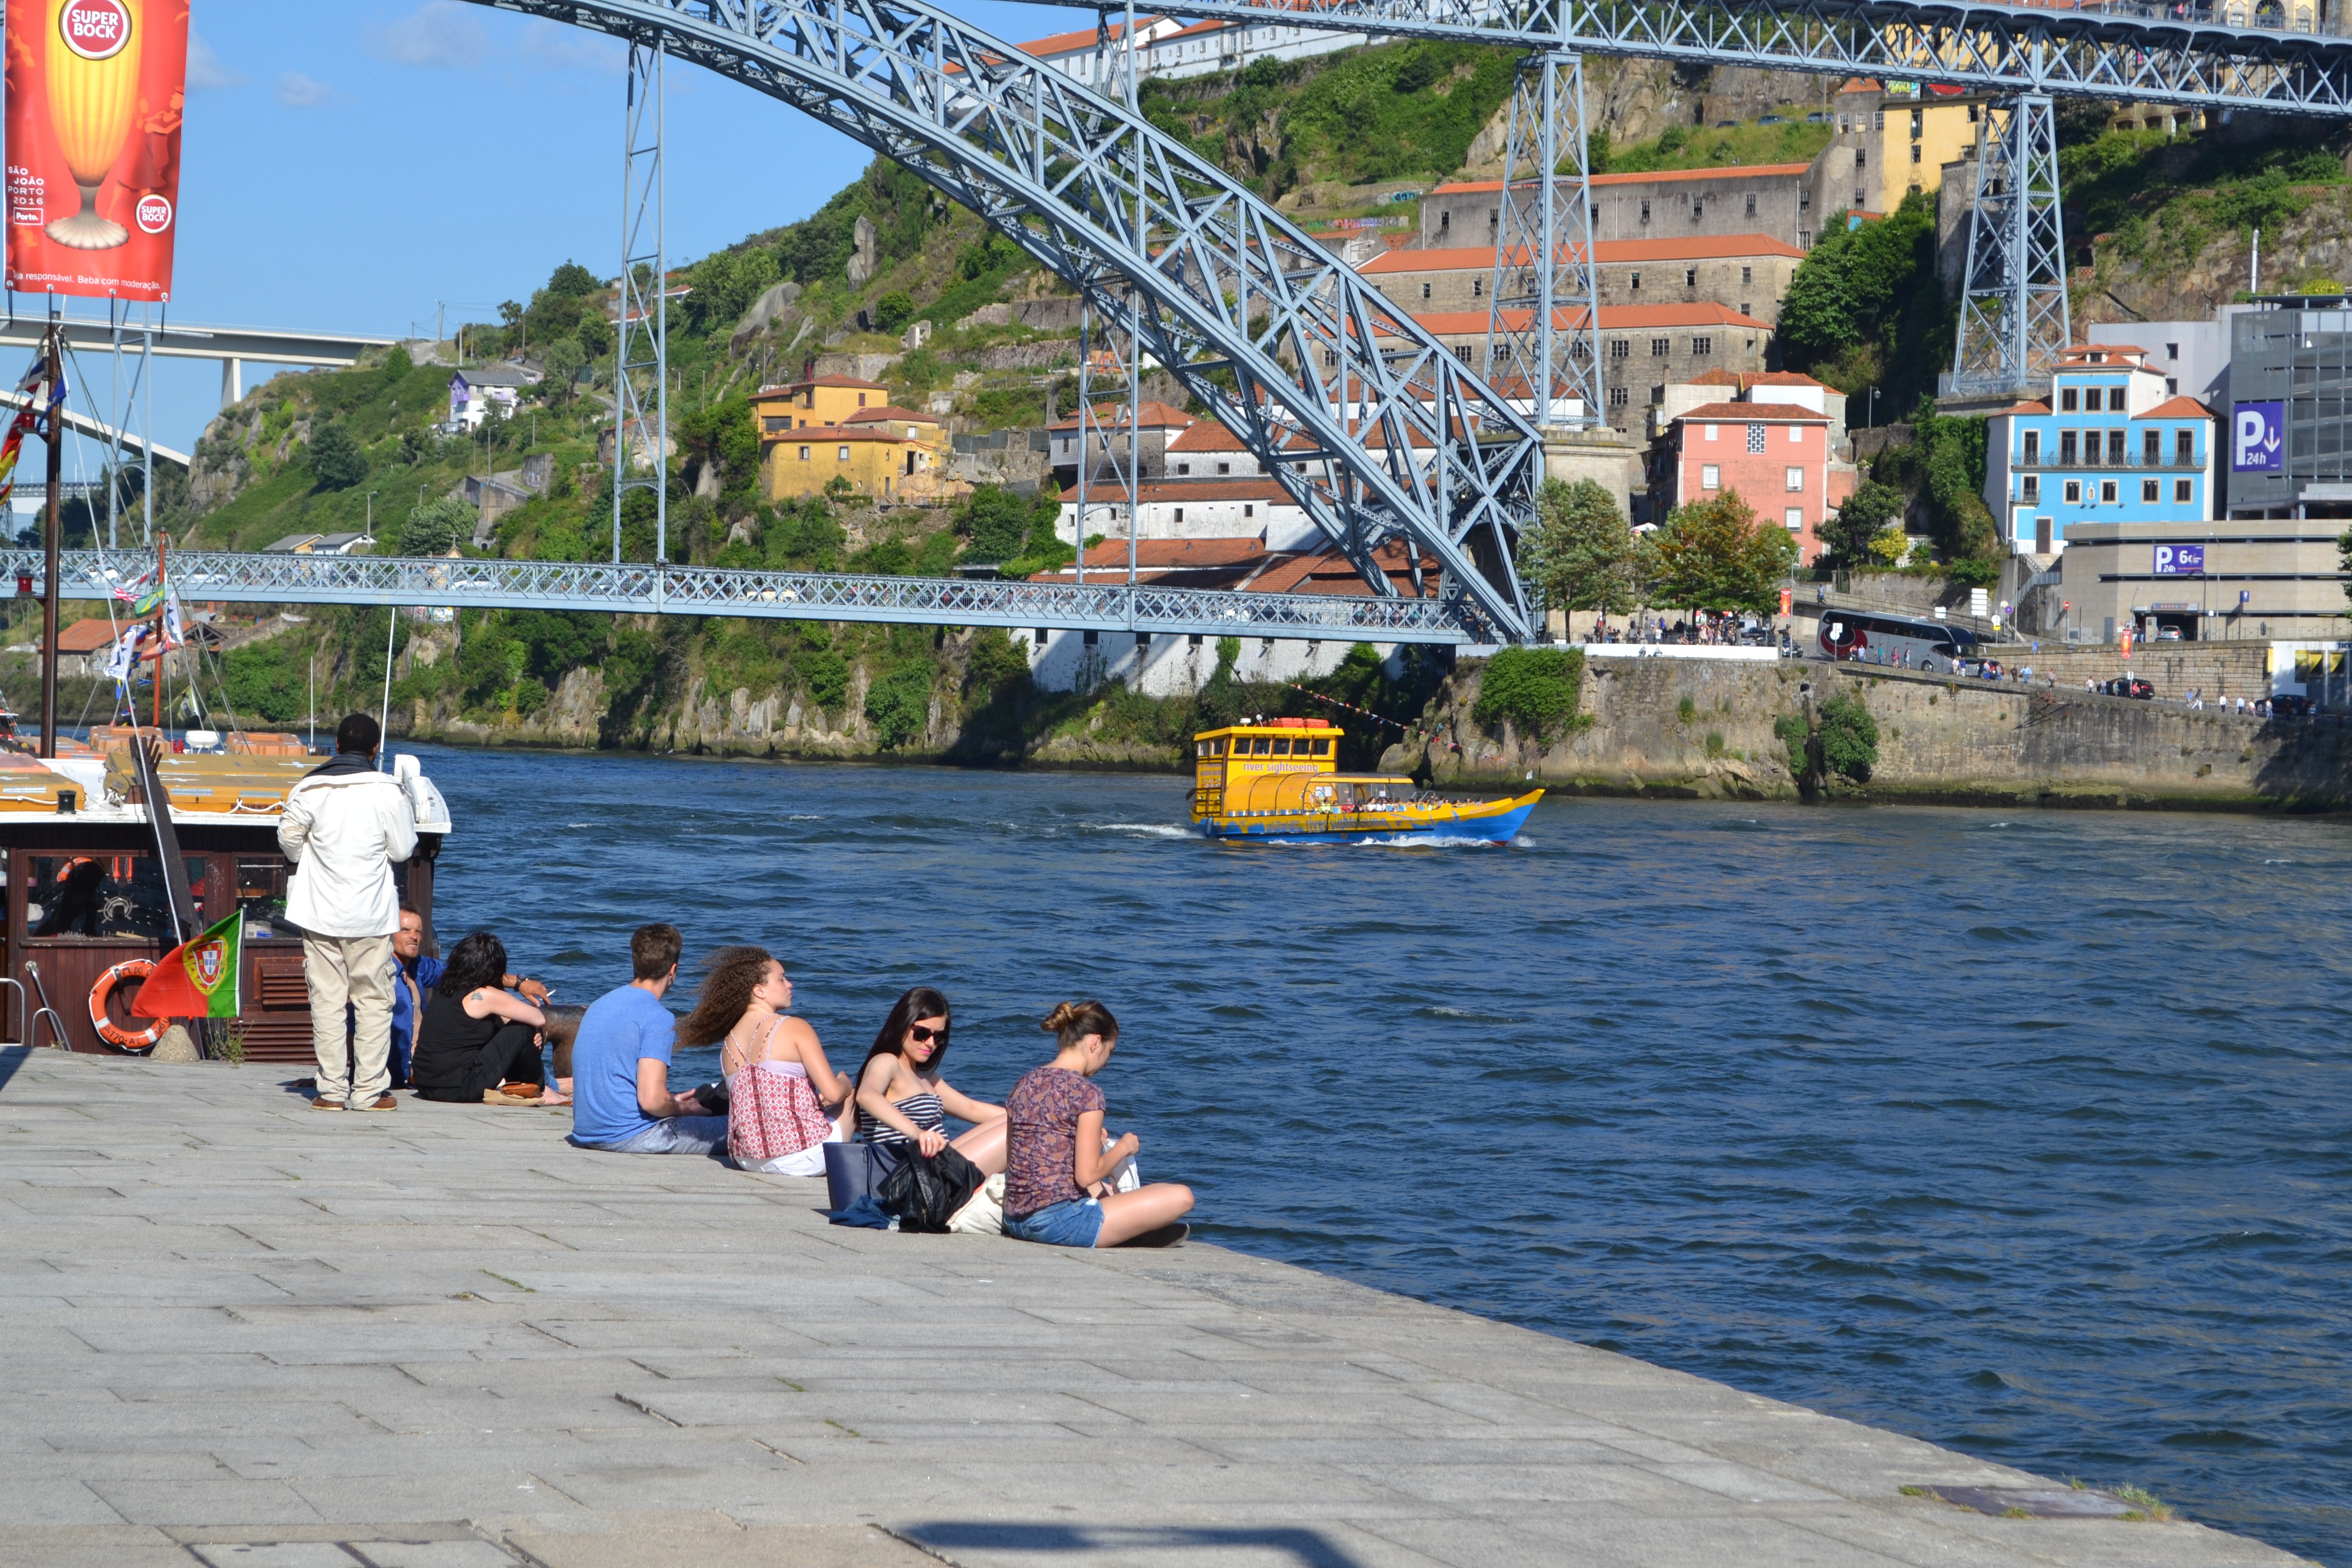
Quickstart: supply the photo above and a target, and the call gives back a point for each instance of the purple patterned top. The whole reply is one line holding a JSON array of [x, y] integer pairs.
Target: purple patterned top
[[1041, 1160]]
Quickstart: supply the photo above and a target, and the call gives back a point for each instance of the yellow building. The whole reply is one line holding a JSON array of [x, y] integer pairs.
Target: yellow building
[[879, 462], [1889, 140], [817, 401]]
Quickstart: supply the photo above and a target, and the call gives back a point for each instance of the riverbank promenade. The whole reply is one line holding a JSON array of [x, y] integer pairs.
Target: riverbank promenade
[[241, 1331]]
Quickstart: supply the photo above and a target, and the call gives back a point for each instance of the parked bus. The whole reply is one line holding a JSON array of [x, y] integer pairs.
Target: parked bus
[[1878, 639]]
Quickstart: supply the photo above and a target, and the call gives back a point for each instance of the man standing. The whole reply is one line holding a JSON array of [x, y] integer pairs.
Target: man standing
[[620, 1064], [413, 976], [344, 825]]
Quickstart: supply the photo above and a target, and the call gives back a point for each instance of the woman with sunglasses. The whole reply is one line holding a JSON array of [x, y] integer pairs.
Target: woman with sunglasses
[[779, 1083], [902, 1098]]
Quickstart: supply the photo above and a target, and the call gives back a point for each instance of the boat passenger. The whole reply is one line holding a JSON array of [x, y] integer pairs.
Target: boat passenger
[[620, 1063], [784, 1101], [478, 1044], [414, 974], [1058, 1187], [901, 1097], [343, 827]]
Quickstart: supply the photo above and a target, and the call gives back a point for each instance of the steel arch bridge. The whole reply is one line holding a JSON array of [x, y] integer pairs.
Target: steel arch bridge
[[1375, 428]]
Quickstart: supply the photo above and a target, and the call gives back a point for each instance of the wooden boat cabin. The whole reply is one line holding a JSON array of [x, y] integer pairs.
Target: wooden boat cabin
[[88, 883]]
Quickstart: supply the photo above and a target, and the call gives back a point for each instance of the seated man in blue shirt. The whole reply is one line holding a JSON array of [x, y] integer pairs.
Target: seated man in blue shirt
[[620, 1064], [413, 976]]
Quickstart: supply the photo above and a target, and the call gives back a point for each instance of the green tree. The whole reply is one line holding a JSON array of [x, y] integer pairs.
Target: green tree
[[1848, 737], [1536, 688], [996, 522], [1847, 533], [573, 281], [1582, 553], [899, 704], [1718, 555], [434, 527], [336, 461], [397, 365], [893, 312], [563, 359]]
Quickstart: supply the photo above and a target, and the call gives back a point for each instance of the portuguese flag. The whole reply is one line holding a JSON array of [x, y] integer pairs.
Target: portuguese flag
[[198, 978]]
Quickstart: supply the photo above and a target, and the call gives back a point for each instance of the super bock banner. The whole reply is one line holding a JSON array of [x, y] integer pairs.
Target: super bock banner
[[96, 90]]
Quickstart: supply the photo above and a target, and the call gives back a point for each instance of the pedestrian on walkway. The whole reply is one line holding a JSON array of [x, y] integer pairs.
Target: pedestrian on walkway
[[344, 825]]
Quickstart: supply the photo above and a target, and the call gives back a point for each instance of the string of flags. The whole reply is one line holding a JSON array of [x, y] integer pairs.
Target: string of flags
[[35, 390], [1413, 730]]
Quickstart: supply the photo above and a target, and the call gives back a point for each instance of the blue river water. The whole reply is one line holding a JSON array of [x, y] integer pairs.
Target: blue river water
[[2028, 1134]]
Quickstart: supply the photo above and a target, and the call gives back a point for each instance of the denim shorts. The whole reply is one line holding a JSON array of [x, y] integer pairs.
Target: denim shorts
[[1073, 1224]]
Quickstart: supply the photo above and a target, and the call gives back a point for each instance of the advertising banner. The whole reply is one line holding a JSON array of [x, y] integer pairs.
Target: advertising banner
[[2258, 438], [2179, 560], [96, 90]]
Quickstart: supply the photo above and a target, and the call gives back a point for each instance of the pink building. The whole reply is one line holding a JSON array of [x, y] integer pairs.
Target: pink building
[[1778, 456]]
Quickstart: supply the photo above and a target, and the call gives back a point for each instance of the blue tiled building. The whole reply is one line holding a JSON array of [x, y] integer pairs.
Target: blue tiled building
[[2107, 445]]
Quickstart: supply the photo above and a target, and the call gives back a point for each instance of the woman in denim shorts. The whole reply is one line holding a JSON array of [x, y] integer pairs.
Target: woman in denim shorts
[[1057, 1163]]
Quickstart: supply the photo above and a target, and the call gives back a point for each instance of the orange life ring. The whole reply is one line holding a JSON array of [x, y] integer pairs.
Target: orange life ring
[[112, 1032]]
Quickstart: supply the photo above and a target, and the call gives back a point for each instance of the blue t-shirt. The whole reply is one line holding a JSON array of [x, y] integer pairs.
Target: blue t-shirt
[[620, 1028]]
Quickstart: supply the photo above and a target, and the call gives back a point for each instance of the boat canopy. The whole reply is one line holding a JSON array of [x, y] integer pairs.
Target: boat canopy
[[1277, 793]]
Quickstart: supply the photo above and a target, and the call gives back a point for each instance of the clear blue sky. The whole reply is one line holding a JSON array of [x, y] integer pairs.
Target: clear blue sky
[[347, 164]]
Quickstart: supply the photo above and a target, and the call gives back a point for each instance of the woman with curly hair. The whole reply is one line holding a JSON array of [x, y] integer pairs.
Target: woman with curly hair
[[779, 1083], [901, 1097], [478, 1043]]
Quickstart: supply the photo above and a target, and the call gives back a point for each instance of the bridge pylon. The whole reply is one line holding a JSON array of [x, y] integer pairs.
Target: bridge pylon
[[1543, 333], [2014, 319], [644, 328]]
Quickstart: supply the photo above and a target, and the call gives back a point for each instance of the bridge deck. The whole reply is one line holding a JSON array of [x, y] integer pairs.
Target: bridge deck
[[241, 1331], [636, 588]]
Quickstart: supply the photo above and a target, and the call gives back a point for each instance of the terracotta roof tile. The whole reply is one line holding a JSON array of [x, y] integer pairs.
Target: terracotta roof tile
[[1752, 413], [2182, 407], [1726, 171]]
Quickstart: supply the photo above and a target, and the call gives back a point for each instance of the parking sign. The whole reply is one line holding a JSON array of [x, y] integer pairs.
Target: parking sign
[[2258, 438], [2179, 560]]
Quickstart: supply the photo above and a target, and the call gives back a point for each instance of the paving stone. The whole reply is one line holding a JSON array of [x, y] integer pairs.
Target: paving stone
[[283, 1339]]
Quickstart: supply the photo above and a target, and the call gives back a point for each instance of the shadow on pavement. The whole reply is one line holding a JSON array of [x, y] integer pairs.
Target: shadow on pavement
[[1304, 1547]]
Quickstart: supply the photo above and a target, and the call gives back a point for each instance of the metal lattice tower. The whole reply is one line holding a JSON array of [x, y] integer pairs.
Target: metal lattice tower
[[1543, 336], [643, 326], [2015, 321]]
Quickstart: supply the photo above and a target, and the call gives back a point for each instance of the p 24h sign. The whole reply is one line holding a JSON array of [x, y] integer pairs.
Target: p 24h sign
[[2179, 560]]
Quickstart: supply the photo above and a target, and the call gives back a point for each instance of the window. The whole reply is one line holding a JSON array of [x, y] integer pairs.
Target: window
[[1914, 154], [2073, 492], [1919, 120], [1636, 281], [804, 454], [2033, 448], [1444, 222], [1494, 216], [775, 422], [1794, 517], [1860, 197], [1477, 287], [1690, 277], [1180, 514], [2184, 450], [114, 895], [1646, 212], [2184, 491], [1424, 290], [2040, 525], [1793, 480], [842, 456], [1746, 309], [1698, 209], [1710, 477], [2172, 350], [1183, 467], [2029, 488], [1224, 468], [2107, 492], [1804, 239], [1250, 510], [2171, 386], [2066, 400], [1747, 276], [1752, 203], [1861, 157], [1661, 347], [1702, 347], [1710, 432], [2115, 448], [1619, 348], [2065, 449], [2149, 490], [1878, 121], [1796, 435], [1658, 396], [1755, 440], [2151, 449], [1616, 397], [1331, 358]]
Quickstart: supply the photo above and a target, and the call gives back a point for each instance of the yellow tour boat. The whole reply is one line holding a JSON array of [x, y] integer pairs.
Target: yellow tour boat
[[1279, 782]]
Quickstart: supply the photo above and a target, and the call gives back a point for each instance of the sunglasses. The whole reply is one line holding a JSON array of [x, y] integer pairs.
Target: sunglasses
[[924, 1033]]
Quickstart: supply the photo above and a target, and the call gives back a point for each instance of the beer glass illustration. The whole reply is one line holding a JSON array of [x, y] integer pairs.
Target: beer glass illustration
[[93, 81]]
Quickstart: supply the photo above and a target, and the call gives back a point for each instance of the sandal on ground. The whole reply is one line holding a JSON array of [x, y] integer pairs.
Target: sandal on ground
[[500, 1097]]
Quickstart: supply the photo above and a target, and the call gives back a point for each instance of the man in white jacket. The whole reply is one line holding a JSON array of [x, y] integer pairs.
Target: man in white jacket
[[345, 824]]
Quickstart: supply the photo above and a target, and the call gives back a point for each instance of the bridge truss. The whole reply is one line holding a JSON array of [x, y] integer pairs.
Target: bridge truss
[[645, 588], [1379, 433]]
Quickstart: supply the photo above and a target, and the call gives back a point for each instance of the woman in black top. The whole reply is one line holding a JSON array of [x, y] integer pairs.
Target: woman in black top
[[478, 1044]]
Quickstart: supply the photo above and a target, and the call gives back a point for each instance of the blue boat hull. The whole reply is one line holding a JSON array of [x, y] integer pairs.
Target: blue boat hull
[[1498, 828]]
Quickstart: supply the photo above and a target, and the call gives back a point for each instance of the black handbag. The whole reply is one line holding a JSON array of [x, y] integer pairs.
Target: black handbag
[[924, 1194]]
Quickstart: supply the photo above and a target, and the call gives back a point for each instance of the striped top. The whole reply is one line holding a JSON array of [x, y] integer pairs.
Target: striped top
[[921, 1108]]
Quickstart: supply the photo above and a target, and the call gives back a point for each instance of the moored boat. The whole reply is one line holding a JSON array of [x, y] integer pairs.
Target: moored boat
[[1278, 783]]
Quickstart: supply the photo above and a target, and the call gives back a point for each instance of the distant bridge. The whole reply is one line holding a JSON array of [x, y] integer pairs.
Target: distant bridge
[[646, 588], [232, 346]]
